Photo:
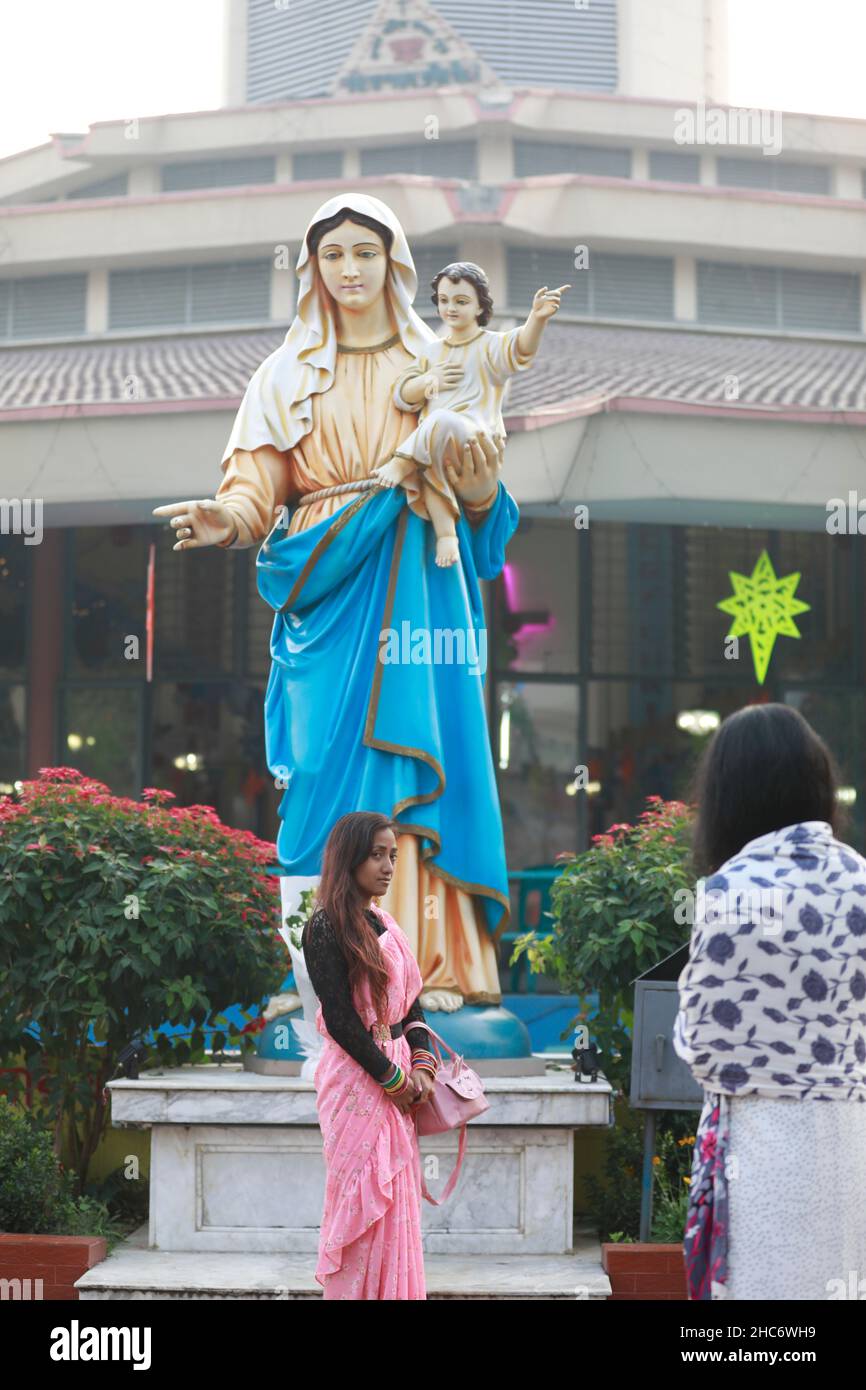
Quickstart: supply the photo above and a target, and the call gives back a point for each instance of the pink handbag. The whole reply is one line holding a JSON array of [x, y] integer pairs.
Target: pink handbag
[[457, 1097]]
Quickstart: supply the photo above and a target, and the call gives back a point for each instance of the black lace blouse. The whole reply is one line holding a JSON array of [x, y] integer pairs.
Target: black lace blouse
[[329, 976]]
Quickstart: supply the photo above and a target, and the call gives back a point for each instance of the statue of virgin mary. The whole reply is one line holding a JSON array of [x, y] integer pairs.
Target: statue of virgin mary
[[344, 563]]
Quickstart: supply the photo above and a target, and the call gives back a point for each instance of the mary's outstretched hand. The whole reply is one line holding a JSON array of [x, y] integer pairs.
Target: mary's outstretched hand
[[205, 522], [478, 473]]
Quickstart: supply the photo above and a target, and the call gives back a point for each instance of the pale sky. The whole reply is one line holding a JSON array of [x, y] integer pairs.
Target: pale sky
[[798, 55], [67, 63]]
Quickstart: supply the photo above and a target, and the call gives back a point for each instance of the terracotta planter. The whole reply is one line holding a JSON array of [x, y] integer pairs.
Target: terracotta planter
[[51, 1264], [645, 1271]]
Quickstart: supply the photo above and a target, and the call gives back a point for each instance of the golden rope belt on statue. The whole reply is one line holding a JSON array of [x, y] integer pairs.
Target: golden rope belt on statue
[[368, 485], [362, 485]]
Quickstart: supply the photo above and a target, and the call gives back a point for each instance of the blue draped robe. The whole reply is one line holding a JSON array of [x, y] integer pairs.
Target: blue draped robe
[[347, 731]]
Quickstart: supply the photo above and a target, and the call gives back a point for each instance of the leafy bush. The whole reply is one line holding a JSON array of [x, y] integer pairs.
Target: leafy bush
[[614, 1199], [127, 1198], [297, 920], [118, 916], [613, 914], [671, 1180], [36, 1196], [31, 1180]]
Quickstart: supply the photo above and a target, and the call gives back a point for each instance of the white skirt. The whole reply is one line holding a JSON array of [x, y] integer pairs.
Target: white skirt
[[796, 1199]]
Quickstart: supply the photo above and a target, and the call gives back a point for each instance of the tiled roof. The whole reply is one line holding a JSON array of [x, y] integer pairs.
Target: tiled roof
[[659, 364], [147, 370], [576, 361]]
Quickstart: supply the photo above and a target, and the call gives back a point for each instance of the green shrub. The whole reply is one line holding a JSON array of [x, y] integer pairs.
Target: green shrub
[[614, 1199], [117, 917], [613, 917], [36, 1196], [126, 1198], [31, 1181], [671, 1177]]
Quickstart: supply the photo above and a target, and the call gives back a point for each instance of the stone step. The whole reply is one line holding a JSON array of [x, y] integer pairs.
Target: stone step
[[133, 1271]]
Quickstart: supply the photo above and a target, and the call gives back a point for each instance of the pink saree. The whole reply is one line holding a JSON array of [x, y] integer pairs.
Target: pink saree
[[370, 1238]]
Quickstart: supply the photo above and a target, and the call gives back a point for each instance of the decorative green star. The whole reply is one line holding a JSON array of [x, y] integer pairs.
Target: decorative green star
[[763, 608]]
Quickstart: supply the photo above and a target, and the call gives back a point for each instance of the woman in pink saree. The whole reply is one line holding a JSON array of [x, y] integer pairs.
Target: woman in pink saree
[[369, 1079]]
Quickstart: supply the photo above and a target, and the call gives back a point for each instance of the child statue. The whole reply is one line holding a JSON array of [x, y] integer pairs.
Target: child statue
[[459, 389]]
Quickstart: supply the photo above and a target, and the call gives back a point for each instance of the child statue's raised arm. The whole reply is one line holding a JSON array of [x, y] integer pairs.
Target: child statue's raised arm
[[544, 305]]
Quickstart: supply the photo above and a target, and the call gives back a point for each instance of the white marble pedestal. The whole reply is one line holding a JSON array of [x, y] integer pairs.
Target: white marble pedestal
[[237, 1167], [237, 1186]]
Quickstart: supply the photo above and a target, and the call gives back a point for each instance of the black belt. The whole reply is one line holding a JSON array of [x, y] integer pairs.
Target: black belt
[[396, 1029]]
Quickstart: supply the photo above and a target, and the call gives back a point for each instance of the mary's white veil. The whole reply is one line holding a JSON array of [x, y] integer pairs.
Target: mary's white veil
[[276, 408]]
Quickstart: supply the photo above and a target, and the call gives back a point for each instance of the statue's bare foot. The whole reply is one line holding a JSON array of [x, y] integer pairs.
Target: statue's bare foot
[[447, 551], [280, 1004], [446, 1000], [390, 474]]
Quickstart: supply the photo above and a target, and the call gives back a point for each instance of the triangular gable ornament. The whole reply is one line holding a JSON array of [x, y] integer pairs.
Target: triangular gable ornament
[[407, 46]]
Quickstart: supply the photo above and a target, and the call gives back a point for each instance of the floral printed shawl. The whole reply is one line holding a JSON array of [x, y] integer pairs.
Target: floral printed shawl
[[705, 1241], [772, 1002]]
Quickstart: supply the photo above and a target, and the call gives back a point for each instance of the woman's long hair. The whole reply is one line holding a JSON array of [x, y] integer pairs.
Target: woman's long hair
[[348, 845], [763, 769]]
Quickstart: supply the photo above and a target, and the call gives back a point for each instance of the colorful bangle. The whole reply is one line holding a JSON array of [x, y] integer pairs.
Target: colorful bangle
[[398, 1083], [424, 1060]]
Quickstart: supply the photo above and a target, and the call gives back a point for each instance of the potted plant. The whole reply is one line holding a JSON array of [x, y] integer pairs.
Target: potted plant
[[654, 1269], [48, 1235], [614, 915], [119, 918]]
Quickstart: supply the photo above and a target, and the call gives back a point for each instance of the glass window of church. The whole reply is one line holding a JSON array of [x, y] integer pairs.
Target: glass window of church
[[101, 733], [208, 748], [13, 727], [827, 647], [15, 559], [107, 601], [194, 610], [537, 599], [633, 572], [534, 731], [635, 748]]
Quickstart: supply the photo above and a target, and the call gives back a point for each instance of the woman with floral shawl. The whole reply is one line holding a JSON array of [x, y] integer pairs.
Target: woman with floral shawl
[[772, 1021]]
